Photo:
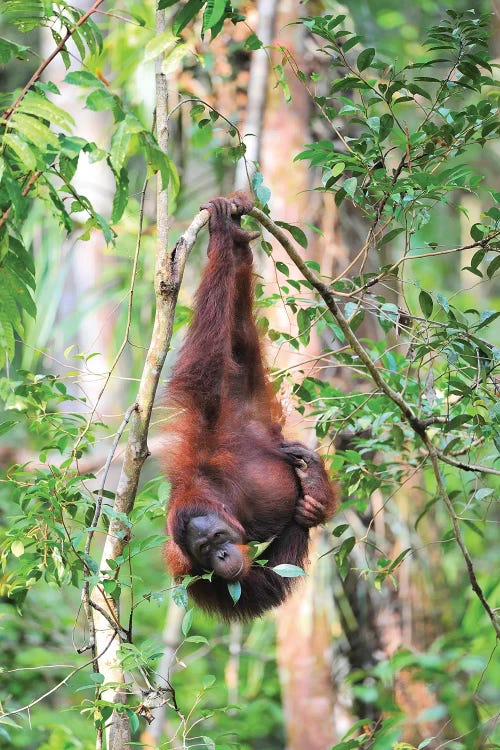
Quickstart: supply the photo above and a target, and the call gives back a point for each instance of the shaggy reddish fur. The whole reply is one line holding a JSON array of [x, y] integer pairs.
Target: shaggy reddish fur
[[225, 455]]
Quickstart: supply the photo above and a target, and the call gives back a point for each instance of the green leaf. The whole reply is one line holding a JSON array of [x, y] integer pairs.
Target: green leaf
[[341, 556], [426, 303], [119, 145], [234, 588], [159, 45], [388, 315], [253, 42], [214, 13], [17, 548], [282, 267], [390, 236], [39, 106], [477, 232], [339, 530], [350, 186], [304, 324], [350, 43], [288, 571], [261, 191], [10, 50], [22, 150], [120, 197], [185, 15], [257, 548], [365, 58], [100, 100], [493, 267], [6, 426], [296, 232], [208, 681], [83, 78], [338, 168], [7, 342], [187, 621], [172, 61], [35, 131]]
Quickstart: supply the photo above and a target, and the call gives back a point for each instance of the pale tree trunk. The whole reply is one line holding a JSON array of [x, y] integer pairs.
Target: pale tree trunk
[[257, 93], [106, 609]]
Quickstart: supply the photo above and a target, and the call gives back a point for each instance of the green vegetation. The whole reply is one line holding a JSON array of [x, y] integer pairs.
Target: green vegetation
[[403, 151]]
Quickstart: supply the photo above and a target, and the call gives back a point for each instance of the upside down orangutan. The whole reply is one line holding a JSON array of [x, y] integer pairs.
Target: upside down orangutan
[[234, 478]]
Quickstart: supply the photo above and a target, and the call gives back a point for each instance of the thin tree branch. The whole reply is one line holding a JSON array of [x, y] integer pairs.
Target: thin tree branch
[[52, 690], [45, 63], [434, 456]]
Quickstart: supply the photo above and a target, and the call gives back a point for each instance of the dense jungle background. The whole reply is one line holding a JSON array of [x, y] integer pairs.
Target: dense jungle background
[[368, 135]]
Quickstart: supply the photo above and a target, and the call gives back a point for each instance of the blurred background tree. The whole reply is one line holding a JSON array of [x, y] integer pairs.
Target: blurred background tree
[[371, 134]]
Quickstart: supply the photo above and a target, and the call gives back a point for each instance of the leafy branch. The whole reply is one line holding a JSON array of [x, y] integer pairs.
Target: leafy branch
[[419, 426], [45, 63]]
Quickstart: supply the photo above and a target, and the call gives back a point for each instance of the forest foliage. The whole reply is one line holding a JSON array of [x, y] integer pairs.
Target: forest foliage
[[415, 326]]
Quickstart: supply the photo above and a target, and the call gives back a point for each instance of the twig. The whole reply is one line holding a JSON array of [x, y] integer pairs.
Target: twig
[[447, 459], [434, 456], [45, 63], [127, 324], [100, 494], [53, 689]]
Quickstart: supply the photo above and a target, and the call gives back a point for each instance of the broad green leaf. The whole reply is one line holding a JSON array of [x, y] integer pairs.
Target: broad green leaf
[[196, 639], [493, 267], [186, 13], [296, 232], [11, 310], [83, 78], [339, 530], [173, 60], [208, 681], [234, 589], [119, 145], [34, 104], [7, 342], [426, 303], [390, 236], [17, 548], [253, 42], [35, 131], [350, 186], [283, 268], [214, 13], [187, 621], [10, 50], [100, 100], [120, 197], [388, 316], [365, 58], [286, 570], [163, 43], [22, 150], [338, 168]]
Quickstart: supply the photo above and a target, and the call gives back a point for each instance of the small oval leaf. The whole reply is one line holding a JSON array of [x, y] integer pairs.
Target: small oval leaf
[[234, 588], [288, 571]]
